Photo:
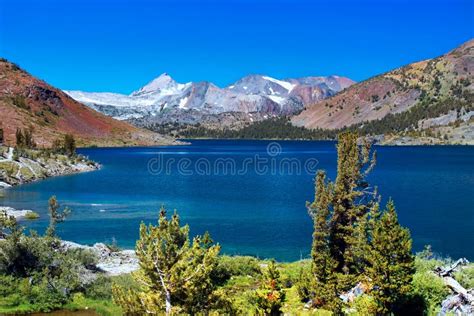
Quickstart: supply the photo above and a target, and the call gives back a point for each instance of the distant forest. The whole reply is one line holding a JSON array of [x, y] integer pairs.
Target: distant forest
[[281, 128]]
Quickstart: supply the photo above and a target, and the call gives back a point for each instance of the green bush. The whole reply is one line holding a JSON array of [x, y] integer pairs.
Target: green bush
[[29, 294], [428, 264], [101, 288], [465, 276], [228, 267], [46, 298], [431, 288], [31, 215], [291, 273], [84, 257], [36, 272], [364, 305], [8, 285], [20, 101], [303, 284]]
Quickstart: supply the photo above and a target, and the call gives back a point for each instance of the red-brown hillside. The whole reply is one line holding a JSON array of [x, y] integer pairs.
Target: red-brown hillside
[[395, 91], [27, 102]]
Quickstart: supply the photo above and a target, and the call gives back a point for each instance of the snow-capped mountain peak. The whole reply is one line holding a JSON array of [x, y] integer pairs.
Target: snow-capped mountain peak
[[163, 84]]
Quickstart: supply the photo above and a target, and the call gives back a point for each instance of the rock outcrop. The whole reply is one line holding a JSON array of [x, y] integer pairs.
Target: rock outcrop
[[461, 301], [17, 214], [110, 262]]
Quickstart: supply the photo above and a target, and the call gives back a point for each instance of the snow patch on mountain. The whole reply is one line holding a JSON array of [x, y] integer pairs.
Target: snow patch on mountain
[[277, 99], [287, 85], [108, 98], [182, 103]]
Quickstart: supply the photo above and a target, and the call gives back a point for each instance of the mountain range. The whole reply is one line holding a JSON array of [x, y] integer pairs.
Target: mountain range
[[253, 97], [29, 103], [434, 97]]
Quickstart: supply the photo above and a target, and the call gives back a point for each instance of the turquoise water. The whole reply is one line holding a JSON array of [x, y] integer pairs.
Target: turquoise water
[[250, 200]]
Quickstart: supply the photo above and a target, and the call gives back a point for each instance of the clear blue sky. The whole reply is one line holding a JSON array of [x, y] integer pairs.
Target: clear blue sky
[[118, 45]]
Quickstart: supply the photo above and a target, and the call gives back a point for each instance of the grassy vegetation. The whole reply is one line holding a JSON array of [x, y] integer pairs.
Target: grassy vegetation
[[9, 167], [30, 215], [20, 101], [241, 285], [244, 277], [100, 306]]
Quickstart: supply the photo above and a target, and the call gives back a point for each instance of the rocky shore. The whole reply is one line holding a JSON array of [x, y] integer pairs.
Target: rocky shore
[[37, 166], [461, 135], [18, 214], [110, 262]]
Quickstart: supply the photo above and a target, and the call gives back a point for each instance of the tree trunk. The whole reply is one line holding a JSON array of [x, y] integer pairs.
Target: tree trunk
[[167, 296], [168, 303]]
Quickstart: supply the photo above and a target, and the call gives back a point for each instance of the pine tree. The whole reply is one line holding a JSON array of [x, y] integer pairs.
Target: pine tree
[[28, 138], [322, 262], [69, 145], [175, 275], [352, 240], [349, 244], [55, 216], [24, 138], [19, 138], [351, 201], [363, 236], [57, 146], [391, 263], [339, 212], [270, 295]]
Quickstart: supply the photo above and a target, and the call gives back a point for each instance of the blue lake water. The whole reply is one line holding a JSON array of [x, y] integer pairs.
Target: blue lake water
[[250, 195]]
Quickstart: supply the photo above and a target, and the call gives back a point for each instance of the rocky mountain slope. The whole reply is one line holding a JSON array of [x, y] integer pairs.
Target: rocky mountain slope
[[424, 92], [254, 97], [29, 103]]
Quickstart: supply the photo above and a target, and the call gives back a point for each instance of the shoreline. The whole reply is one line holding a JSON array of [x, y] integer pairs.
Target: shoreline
[[109, 262], [175, 142], [17, 214], [378, 141], [36, 166]]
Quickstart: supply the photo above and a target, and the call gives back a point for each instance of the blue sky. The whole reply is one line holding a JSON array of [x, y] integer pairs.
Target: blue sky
[[118, 46]]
